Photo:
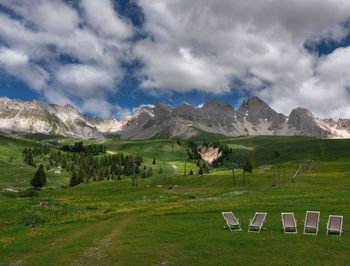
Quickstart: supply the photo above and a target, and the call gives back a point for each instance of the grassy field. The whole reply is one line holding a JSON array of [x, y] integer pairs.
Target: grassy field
[[109, 222]]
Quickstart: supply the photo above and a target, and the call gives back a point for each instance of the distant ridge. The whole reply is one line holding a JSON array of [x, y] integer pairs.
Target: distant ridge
[[254, 117]]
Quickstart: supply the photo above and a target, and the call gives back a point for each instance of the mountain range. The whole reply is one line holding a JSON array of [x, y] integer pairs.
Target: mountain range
[[254, 117]]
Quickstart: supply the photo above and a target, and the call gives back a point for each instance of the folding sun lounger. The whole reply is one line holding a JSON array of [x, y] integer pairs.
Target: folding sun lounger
[[289, 223], [335, 225], [311, 222], [231, 221], [257, 222]]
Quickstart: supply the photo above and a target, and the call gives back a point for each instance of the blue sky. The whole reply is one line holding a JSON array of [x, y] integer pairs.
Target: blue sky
[[107, 57]]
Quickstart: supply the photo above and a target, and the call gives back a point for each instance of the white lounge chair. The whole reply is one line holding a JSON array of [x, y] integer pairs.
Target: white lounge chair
[[335, 225], [256, 224], [231, 221], [289, 223], [311, 222]]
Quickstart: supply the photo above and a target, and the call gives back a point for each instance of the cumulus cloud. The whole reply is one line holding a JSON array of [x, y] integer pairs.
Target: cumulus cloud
[[104, 109], [209, 45], [102, 17], [72, 53], [17, 64], [70, 56]]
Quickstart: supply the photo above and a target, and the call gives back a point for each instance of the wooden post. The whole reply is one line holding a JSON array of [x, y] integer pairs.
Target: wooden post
[[233, 176], [133, 176], [243, 177]]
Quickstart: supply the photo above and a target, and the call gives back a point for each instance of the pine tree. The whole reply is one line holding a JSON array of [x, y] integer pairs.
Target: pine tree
[[113, 176], [80, 175], [191, 172], [29, 158], [248, 167], [39, 179], [100, 176], [74, 179], [200, 172], [154, 161], [150, 171]]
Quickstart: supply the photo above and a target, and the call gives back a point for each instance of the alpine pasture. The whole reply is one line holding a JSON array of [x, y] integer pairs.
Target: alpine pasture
[[170, 218]]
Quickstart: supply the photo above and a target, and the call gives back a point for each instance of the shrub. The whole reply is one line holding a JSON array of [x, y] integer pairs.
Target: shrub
[[31, 219], [29, 193]]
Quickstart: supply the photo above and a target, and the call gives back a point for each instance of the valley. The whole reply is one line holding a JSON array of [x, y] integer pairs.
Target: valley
[[170, 218]]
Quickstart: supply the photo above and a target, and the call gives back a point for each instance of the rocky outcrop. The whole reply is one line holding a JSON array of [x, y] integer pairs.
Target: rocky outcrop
[[343, 124], [307, 124], [254, 117]]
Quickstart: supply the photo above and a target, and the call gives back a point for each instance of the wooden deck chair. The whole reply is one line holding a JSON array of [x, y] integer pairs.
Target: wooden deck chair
[[289, 223], [256, 224], [311, 222], [335, 225], [231, 221]]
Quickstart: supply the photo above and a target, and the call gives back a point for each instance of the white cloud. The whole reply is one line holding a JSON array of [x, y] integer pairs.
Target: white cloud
[[48, 31], [206, 45], [85, 80], [201, 45], [103, 108], [102, 17], [17, 64]]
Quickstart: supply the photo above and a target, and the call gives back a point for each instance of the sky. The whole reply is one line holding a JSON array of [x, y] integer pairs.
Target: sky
[[108, 57]]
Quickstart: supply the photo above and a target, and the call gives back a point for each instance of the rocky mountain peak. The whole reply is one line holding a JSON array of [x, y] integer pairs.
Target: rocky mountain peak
[[343, 124], [299, 113], [306, 123], [330, 122], [254, 110], [162, 111], [70, 108], [254, 117], [217, 107]]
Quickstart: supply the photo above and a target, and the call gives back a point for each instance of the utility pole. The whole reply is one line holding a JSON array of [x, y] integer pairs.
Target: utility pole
[[233, 176], [133, 176], [243, 177]]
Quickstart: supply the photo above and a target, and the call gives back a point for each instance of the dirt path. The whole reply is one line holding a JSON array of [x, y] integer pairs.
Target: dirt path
[[94, 254]]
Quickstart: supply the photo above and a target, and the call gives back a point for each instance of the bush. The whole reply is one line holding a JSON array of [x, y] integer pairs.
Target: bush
[[31, 219], [29, 193]]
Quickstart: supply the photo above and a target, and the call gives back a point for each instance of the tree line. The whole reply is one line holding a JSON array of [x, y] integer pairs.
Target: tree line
[[86, 163]]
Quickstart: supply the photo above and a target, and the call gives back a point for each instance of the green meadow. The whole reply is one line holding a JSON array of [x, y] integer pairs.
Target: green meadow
[[174, 219]]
